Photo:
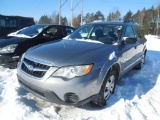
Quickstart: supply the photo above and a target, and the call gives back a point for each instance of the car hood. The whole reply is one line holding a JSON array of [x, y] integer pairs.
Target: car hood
[[11, 40], [67, 52]]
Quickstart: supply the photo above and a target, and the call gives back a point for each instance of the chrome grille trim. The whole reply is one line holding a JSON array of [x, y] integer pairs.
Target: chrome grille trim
[[35, 68], [39, 61]]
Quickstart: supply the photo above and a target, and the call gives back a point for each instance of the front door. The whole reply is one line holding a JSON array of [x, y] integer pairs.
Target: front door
[[129, 50]]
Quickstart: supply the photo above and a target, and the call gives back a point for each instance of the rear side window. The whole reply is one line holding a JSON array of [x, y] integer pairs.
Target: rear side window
[[129, 32]]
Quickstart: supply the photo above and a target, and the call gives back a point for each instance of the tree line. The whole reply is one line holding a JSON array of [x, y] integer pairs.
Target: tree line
[[148, 19]]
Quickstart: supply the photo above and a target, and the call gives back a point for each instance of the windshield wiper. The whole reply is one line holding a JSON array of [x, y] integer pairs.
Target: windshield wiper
[[87, 40]]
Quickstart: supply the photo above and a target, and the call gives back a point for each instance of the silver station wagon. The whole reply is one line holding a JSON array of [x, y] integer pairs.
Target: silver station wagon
[[85, 66]]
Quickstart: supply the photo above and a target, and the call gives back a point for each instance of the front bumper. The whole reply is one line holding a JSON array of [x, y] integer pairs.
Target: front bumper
[[81, 89], [51, 96], [9, 61]]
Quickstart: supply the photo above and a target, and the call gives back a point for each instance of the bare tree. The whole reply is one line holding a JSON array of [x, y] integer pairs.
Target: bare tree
[[77, 21], [53, 17]]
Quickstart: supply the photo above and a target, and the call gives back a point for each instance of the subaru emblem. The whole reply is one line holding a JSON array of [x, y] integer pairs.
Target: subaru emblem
[[30, 67]]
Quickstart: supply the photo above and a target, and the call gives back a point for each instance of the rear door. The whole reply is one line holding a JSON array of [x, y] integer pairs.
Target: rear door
[[140, 41]]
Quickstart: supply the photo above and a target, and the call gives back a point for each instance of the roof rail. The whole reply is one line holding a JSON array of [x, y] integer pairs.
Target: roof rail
[[97, 20], [129, 21]]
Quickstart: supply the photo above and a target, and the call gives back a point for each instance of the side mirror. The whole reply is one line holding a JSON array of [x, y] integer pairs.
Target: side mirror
[[129, 40]]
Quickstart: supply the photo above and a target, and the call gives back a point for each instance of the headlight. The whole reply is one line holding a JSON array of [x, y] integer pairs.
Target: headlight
[[73, 71], [9, 48]]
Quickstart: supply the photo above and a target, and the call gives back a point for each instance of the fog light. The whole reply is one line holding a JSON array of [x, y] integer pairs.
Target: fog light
[[71, 97]]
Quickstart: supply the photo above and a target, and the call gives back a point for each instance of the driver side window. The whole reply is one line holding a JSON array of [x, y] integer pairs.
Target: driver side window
[[54, 31]]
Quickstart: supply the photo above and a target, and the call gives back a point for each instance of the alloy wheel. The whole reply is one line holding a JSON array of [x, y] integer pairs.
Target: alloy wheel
[[109, 87]]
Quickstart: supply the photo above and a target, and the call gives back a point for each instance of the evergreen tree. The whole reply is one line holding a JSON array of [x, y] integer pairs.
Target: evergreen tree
[[109, 17], [64, 21], [114, 16], [154, 20], [128, 16], [147, 22], [136, 17], [117, 15], [158, 20], [89, 17], [143, 12], [45, 20], [98, 16], [150, 21]]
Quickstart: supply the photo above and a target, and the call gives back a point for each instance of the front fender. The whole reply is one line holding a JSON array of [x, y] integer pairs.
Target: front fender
[[104, 70]]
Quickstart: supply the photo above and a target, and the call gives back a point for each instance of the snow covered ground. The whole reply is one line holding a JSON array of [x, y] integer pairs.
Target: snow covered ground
[[137, 96]]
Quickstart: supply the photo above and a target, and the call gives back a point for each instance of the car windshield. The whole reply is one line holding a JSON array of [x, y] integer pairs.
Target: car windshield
[[104, 33], [32, 30]]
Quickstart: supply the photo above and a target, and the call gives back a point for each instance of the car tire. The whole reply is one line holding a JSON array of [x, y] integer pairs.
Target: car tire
[[140, 65], [107, 88]]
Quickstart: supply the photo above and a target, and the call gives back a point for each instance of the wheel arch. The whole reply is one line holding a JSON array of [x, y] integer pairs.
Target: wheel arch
[[106, 70], [99, 101], [145, 52]]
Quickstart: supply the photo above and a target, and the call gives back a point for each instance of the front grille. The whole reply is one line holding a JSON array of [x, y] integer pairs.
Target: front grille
[[34, 68]]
